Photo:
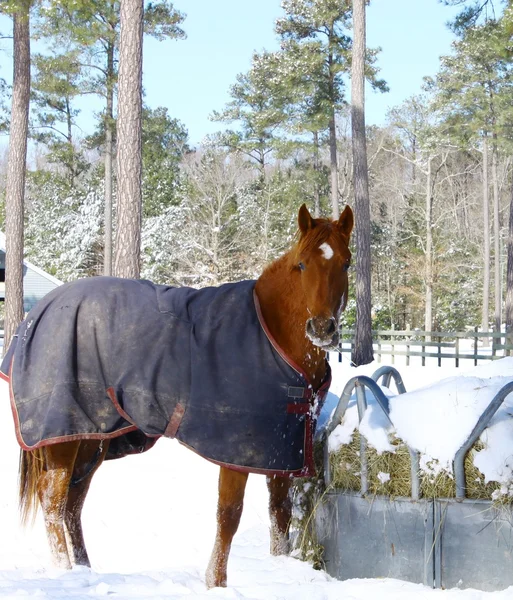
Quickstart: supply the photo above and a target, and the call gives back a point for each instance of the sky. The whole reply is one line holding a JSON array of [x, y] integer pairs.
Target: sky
[[192, 77], [149, 520]]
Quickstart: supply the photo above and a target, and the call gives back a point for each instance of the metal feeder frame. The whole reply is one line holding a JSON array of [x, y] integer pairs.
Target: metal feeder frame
[[442, 543]]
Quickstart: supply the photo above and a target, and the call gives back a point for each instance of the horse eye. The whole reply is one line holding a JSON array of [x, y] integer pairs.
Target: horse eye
[[301, 266], [346, 266]]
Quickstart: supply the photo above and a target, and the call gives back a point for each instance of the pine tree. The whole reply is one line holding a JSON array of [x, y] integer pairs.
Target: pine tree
[[322, 28], [362, 349], [129, 155], [257, 107], [15, 185], [164, 145], [474, 88], [93, 26], [56, 85]]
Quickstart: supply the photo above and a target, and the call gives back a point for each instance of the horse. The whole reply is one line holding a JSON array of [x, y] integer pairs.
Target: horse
[[299, 299]]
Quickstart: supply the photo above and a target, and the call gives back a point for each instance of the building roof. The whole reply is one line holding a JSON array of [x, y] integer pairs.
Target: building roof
[[31, 266]]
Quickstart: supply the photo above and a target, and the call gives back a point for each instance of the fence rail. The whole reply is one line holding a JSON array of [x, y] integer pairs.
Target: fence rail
[[455, 345]]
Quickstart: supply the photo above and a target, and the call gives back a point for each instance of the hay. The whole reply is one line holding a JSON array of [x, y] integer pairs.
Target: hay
[[307, 494], [346, 466]]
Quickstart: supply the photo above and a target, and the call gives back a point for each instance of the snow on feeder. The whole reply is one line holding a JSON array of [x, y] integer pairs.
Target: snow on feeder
[[419, 486]]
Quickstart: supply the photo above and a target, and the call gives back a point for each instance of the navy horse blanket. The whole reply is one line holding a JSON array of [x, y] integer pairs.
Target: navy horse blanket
[[131, 361]]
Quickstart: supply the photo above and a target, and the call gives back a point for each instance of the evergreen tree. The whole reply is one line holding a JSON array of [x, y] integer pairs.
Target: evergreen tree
[[322, 28], [164, 144], [473, 11], [257, 106], [93, 26], [362, 350], [129, 155], [56, 85], [475, 89], [16, 167]]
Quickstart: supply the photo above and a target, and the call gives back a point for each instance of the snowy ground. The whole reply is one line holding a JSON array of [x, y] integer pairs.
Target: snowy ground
[[149, 524]]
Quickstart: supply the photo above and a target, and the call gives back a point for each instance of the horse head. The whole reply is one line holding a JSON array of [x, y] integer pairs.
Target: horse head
[[322, 260]]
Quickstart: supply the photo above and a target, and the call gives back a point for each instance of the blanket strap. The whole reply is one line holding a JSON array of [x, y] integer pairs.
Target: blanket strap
[[89, 467], [176, 419]]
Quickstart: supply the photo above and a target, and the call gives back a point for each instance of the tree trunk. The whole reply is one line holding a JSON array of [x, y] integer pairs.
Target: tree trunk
[[428, 270], [486, 245], [509, 276], [69, 139], [362, 350], [335, 210], [496, 242], [16, 167], [129, 145], [317, 199], [109, 129]]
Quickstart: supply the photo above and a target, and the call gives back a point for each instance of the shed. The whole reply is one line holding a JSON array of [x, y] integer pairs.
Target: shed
[[36, 282]]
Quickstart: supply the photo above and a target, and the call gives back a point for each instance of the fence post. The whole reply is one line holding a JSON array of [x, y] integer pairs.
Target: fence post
[[378, 339], [439, 351], [457, 359], [475, 347], [423, 349]]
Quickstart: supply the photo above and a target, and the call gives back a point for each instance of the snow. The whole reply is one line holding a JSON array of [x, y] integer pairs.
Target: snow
[[438, 418], [149, 522]]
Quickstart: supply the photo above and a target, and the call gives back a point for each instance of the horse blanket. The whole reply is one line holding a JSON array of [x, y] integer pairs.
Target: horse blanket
[[130, 361]]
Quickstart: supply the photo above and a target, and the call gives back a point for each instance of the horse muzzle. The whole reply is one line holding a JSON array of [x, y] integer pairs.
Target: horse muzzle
[[323, 332]]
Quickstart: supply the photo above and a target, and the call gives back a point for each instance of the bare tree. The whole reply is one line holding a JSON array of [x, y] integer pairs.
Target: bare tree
[[16, 166], [496, 240], [486, 244], [362, 349], [129, 154], [509, 276]]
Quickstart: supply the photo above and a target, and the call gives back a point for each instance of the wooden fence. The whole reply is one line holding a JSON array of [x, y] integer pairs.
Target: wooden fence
[[455, 346]]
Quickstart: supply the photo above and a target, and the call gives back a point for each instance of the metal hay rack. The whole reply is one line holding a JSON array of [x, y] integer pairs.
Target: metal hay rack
[[441, 542]]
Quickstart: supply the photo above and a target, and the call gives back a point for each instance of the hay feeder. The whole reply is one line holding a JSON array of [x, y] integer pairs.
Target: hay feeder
[[440, 542]]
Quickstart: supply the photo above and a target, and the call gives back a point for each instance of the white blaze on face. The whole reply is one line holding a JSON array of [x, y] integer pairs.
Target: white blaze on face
[[327, 250]]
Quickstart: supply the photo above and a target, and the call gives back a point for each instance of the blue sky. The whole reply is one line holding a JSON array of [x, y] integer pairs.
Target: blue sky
[[192, 77]]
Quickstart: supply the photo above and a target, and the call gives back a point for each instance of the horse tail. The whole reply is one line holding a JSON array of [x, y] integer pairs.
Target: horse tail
[[30, 469]]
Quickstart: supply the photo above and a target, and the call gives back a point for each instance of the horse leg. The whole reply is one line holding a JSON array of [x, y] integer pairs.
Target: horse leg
[[232, 485], [89, 458], [52, 488], [280, 512]]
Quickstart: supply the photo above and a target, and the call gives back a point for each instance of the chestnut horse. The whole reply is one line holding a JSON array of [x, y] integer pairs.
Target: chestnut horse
[[301, 297]]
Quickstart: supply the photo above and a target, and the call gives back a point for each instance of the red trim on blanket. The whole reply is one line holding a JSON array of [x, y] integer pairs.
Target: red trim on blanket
[[298, 408], [174, 422], [111, 393], [294, 408], [4, 376], [274, 343]]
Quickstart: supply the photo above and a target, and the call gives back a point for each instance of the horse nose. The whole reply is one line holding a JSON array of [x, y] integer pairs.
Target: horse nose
[[332, 326], [321, 327]]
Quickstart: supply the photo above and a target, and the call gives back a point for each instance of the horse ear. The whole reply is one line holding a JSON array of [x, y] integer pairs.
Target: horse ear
[[346, 221], [305, 220]]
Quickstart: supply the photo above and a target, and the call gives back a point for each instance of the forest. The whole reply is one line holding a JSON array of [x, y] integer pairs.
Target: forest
[[440, 169]]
